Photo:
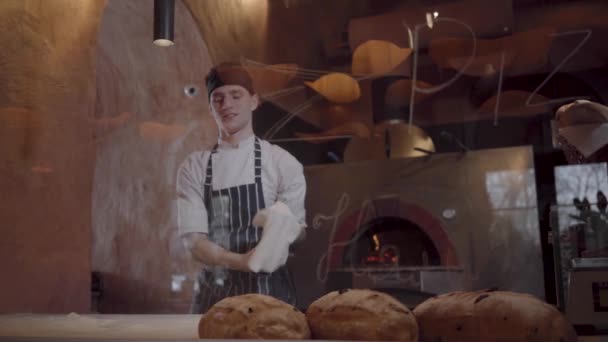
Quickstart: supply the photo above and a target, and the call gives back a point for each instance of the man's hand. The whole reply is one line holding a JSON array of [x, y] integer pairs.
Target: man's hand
[[212, 254], [242, 263]]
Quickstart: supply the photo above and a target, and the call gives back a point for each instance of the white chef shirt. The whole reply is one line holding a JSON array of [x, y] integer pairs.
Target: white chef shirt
[[233, 165]]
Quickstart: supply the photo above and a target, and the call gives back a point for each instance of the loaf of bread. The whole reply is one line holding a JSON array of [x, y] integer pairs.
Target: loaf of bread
[[491, 316], [361, 315], [253, 316]]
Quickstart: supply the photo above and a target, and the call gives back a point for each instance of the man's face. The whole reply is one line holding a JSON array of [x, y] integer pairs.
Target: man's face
[[232, 107]]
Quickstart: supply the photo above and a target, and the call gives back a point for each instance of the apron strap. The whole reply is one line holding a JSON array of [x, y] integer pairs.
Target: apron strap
[[208, 176], [258, 172]]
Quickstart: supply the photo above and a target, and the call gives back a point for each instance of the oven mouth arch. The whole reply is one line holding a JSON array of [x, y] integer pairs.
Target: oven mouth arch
[[390, 241], [393, 207]]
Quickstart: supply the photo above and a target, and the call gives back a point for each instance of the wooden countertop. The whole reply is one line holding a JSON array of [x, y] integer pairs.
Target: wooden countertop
[[102, 328], [146, 327]]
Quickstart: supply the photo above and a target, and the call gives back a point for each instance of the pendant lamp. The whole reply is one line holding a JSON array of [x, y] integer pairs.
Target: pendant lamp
[[164, 15]]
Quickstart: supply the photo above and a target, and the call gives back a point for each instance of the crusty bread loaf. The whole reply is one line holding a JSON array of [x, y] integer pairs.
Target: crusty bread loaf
[[491, 316], [361, 315], [253, 316]]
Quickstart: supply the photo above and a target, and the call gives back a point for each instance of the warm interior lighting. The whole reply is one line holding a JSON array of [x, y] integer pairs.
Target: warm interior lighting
[[376, 242], [164, 15], [430, 20], [163, 42]]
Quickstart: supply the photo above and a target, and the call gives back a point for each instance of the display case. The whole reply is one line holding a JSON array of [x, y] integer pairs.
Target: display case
[[580, 243]]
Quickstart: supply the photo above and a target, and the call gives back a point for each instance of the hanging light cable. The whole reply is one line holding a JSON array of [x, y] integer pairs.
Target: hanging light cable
[[164, 14]]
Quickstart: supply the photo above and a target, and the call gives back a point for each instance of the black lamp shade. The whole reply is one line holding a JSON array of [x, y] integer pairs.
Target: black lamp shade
[[164, 15]]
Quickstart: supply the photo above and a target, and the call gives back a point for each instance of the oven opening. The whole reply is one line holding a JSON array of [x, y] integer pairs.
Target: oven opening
[[391, 242]]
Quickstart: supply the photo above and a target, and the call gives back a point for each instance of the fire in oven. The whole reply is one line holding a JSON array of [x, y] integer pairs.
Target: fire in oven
[[391, 242]]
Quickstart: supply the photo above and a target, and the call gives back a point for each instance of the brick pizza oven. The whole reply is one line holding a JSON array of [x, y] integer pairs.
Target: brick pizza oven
[[417, 227]]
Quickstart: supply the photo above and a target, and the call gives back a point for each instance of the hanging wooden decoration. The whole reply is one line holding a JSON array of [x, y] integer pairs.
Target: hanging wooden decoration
[[581, 112], [337, 87], [378, 57], [517, 54], [582, 132], [398, 94]]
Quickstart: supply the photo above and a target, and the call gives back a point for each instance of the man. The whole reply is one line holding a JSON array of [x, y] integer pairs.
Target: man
[[220, 191]]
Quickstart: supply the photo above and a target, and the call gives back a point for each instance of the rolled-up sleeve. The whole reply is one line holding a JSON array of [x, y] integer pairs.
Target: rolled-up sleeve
[[292, 185], [191, 212]]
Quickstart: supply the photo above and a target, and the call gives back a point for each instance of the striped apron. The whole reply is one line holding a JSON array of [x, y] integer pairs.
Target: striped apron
[[230, 212]]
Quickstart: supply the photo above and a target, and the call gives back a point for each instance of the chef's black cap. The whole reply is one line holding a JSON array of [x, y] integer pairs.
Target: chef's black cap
[[228, 74]]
